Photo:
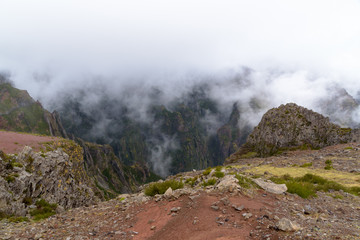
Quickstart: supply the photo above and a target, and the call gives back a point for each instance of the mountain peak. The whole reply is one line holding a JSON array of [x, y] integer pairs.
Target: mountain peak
[[291, 126]]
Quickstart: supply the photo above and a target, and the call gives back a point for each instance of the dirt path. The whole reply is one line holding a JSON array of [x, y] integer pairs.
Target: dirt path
[[12, 142]]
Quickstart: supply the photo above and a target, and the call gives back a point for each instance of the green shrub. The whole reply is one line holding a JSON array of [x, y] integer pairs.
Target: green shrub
[[305, 165], [303, 189], [43, 210], [328, 165], [307, 185], [209, 182], [218, 168], [219, 174], [160, 188], [18, 219], [191, 181], [207, 171]]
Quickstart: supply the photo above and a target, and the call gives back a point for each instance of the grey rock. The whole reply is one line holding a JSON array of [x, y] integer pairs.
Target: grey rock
[[270, 186], [228, 183], [50, 176], [238, 208], [168, 193], [287, 226]]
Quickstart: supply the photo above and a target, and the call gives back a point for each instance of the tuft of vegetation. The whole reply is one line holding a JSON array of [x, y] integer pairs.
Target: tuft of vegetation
[[249, 155], [348, 148], [43, 210], [219, 174], [245, 182], [15, 219], [307, 185], [161, 187], [27, 201], [191, 181], [328, 165], [218, 168], [305, 165], [209, 182], [11, 177], [207, 171], [12, 218]]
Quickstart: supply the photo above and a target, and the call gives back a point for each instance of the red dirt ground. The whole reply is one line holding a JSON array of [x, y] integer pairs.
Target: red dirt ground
[[197, 221], [12, 142]]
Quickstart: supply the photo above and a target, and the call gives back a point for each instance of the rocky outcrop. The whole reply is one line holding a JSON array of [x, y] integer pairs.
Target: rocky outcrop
[[55, 126], [54, 176], [293, 127]]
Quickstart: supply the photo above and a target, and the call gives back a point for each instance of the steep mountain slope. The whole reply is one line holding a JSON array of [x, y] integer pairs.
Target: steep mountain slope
[[19, 112]]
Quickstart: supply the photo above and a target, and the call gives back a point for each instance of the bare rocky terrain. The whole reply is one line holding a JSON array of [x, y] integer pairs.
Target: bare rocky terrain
[[225, 210]]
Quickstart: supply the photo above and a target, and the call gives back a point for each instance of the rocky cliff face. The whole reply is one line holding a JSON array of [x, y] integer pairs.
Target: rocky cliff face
[[19, 112], [56, 175], [109, 174], [292, 127]]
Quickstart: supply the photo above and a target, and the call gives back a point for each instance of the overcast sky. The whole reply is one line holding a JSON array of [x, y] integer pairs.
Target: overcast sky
[[66, 41]]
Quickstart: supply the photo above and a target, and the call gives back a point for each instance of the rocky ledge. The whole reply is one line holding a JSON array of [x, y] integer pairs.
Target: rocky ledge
[[52, 176]]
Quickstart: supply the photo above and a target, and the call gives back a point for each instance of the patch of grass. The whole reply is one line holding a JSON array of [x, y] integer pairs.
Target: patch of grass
[[345, 178], [249, 155], [307, 185], [209, 182], [161, 187], [245, 182], [43, 210], [305, 165], [219, 174], [337, 196], [348, 148]]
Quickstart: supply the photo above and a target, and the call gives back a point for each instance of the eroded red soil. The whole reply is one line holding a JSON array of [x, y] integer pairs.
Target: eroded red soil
[[12, 142]]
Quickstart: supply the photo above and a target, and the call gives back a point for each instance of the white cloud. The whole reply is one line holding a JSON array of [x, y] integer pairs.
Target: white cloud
[[73, 41]]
